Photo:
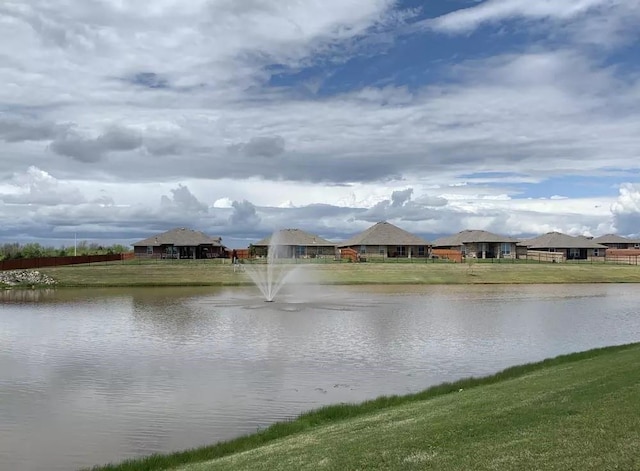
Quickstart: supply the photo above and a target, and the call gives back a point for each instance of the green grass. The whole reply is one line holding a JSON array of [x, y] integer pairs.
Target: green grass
[[573, 412], [214, 273]]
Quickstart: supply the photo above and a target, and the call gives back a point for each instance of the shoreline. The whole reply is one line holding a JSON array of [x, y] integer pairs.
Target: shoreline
[[346, 415], [157, 274]]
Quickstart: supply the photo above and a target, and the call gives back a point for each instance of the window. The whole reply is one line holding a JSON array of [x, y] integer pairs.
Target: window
[[149, 249], [574, 253], [381, 250], [363, 249], [596, 252], [421, 250], [401, 251], [505, 249], [301, 251]]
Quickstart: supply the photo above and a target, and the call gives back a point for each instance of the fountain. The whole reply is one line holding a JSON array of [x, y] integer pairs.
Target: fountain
[[272, 275]]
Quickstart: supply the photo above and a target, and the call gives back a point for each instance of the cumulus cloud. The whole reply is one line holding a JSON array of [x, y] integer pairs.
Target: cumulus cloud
[[400, 197], [223, 203], [626, 210], [37, 187], [183, 200], [244, 214], [187, 98]]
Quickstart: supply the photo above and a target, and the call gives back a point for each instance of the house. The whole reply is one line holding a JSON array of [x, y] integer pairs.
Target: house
[[180, 243], [478, 244], [566, 246], [614, 241], [383, 240], [294, 243]]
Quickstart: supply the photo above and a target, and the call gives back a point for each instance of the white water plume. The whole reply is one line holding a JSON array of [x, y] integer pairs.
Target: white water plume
[[271, 276]]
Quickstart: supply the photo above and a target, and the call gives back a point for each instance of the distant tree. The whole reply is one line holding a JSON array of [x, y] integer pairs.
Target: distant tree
[[10, 251], [470, 263], [82, 248], [33, 250]]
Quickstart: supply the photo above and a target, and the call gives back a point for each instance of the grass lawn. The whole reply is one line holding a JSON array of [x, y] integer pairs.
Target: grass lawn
[[575, 412], [209, 273]]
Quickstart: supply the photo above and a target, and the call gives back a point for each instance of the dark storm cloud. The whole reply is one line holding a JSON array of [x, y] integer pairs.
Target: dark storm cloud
[[88, 150], [18, 129], [400, 207], [312, 212], [317, 168], [163, 147], [260, 146]]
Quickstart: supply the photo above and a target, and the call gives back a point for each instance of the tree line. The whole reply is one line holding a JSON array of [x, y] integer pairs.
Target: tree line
[[12, 251]]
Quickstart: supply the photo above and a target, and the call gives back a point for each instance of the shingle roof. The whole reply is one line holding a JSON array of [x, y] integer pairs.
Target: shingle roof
[[384, 233], [472, 236], [613, 239], [557, 240], [180, 236], [295, 237]]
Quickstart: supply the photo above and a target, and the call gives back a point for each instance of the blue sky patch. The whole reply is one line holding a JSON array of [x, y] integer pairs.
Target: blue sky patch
[[571, 186], [149, 80]]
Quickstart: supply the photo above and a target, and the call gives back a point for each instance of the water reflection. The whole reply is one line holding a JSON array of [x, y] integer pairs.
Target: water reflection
[[90, 376], [25, 295]]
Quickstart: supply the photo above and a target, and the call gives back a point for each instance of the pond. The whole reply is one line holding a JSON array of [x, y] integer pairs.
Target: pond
[[93, 376]]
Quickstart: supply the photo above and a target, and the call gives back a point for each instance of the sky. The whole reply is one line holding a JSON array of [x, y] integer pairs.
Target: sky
[[120, 119]]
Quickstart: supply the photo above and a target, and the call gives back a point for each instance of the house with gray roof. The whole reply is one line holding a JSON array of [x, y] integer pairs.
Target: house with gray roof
[[383, 240], [571, 248], [614, 241], [479, 244], [180, 243], [294, 243]]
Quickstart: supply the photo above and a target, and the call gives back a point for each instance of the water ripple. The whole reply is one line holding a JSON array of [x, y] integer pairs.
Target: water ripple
[[89, 377]]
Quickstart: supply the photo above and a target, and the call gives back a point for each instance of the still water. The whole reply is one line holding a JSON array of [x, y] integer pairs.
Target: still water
[[93, 376]]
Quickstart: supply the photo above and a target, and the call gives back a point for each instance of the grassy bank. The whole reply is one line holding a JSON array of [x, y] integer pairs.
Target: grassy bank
[[577, 411], [203, 273]]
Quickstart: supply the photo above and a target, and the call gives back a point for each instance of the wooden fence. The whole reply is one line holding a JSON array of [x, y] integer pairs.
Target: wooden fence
[[348, 253], [623, 259], [623, 256], [41, 262], [542, 256], [448, 254]]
